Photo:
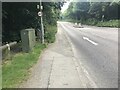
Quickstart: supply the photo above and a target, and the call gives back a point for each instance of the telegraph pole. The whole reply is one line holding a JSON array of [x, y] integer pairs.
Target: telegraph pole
[[40, 13]]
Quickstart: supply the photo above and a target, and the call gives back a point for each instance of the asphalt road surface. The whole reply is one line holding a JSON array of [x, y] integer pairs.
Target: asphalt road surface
[[96, 49]]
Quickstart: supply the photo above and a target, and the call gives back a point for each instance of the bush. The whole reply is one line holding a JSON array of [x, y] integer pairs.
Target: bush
[[111, 23], [50, 33], [90, 21]]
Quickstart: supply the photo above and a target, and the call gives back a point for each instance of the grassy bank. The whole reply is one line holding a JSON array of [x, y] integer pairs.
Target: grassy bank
[[94, 22], [110, 23], [16, 70]]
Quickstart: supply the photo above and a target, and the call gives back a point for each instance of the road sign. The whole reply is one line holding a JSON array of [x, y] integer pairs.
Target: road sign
[[39, 13], [38, 7]]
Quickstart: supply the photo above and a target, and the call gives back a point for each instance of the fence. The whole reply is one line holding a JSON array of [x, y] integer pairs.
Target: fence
[[6, 49]]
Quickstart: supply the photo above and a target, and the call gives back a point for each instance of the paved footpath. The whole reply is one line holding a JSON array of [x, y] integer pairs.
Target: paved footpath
[[56, 67]]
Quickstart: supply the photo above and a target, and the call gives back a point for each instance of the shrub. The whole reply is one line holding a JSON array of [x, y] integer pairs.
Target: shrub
[[111, 23], [50, 33]]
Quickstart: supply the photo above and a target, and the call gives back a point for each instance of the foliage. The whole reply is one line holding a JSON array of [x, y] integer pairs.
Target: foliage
[[18, 16], [50, 33], [110, 11], [111, 23], [91, 21], [92, 12], [95, 22], [22, 15], [16, 69]]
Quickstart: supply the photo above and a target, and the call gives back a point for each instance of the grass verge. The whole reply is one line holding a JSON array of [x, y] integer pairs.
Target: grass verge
[[111, 23], [94, 22], [15, 71]]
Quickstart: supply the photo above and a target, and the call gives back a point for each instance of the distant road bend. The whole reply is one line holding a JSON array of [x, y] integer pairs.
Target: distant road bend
[[96, 50]]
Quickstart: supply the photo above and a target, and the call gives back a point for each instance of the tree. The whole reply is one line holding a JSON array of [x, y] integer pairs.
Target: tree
[[93, 10], [22, 15], [77, 10]]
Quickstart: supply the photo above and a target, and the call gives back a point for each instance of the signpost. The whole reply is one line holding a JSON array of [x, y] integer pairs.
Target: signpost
[[40, 14]]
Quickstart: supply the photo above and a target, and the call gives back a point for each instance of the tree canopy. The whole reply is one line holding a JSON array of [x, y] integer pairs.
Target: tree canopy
[[22, 15], [97, 10]]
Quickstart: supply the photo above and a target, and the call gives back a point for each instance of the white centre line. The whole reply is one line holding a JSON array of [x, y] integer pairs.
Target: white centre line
[[85, 38]]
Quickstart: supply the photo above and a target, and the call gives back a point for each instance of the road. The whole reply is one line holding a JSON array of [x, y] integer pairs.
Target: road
[[96, 50]]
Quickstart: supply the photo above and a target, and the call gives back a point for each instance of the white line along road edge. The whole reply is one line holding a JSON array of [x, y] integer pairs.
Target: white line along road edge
[[85, 38]]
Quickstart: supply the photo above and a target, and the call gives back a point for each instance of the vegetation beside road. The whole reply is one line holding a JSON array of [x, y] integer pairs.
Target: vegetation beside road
[[20, 15], [16, 70], [93, 22], [110, 23], [50, 33], [17, 16], [93, 13]]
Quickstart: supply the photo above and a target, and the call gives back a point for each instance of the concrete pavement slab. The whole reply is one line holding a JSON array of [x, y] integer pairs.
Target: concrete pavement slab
[[56, 67]]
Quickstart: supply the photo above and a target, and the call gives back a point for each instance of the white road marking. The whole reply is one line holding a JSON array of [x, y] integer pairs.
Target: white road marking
[[88, 76], [85, 38]]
